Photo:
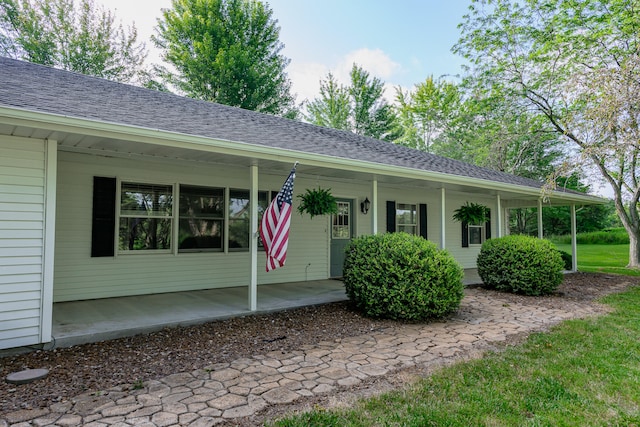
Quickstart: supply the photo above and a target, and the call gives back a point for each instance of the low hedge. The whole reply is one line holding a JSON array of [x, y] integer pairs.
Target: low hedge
[[567, 259], [520, 264], [401, 276]]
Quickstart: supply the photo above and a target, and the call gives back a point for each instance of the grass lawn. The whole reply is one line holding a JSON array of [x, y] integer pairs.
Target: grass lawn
[[602, 258], [581, 373]]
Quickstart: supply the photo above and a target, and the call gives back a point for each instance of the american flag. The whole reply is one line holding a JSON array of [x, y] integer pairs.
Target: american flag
[[274, 229]]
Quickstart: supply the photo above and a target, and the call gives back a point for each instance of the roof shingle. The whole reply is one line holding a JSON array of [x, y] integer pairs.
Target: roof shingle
[[43, 89]]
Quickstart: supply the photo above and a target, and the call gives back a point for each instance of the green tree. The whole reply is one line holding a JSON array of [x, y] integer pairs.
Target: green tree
[[79, 37], [577, 63], [430, 112], [359, 107], [225, 51], [332, 109], [371, 113], [556, 220], [483, 127]]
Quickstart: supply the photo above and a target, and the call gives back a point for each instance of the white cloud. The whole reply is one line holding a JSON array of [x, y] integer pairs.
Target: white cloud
[[376, 62], [305, 77]]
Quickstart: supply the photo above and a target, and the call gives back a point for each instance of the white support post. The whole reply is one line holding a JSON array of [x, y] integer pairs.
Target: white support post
[[540, 230], [46, 303], [499, 219], [507, 220], [374, 206], [253, 196], [443, 220], [574, 240]]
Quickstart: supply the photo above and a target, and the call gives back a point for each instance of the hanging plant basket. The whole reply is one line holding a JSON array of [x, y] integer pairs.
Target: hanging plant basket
[[472, 213], [317, 202]]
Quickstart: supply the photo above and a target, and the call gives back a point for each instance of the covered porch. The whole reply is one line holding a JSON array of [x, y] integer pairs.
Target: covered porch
[[79, 322]]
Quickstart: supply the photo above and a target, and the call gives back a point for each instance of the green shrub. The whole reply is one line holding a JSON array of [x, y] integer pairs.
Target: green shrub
[[567, 259], [401, 276], [520, 264], [609, 236]]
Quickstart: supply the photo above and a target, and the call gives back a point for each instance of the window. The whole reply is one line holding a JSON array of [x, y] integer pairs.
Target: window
[[144, 218], [475, 234], [201, 223], [406, 218], [146, 213], [341, 228], [239, 219]]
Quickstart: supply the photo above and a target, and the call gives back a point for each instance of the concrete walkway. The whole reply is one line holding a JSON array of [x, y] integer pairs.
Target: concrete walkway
[[222, 392], [80, 322]]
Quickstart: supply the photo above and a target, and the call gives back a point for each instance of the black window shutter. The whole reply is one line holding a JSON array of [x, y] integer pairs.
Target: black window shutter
[[487, 226], [391, 216], [104, 217], [465, 235], [423, 220]]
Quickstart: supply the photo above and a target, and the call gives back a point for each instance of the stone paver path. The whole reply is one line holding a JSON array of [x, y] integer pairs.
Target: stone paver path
[[225, 391]]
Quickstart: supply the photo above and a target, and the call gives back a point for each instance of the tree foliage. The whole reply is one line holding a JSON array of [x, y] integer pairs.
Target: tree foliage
[[577, 64], [472, 124], [226, 51], [80, 37], [430, 113], [359, 107], [556, 220], [332, 109]]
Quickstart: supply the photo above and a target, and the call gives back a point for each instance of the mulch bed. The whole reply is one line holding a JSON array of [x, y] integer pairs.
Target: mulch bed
[[102, 365]]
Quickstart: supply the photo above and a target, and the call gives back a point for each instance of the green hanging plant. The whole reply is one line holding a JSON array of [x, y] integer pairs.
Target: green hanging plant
[[317, 202], [472, 213]]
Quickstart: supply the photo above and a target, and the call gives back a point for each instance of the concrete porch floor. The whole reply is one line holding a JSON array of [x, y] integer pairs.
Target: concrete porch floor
[[79, 322]]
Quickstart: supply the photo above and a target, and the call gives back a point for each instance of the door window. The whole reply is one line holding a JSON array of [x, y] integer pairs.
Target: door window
[[341, 228]]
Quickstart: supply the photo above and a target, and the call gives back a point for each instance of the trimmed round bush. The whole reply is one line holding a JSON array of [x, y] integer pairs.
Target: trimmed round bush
[[401, 276], [520, 264], [567, 259]]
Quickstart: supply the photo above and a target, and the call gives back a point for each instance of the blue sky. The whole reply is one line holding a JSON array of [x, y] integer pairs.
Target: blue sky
[[401, 41]]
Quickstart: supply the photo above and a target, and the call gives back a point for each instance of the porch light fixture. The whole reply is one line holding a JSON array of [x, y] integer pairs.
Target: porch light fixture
[[365, 205]]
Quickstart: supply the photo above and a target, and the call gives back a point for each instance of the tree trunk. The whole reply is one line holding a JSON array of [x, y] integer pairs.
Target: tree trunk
[[630, 221], [634, 249]]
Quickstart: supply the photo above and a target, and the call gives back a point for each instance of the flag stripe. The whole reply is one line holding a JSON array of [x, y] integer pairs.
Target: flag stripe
[[276, 221]]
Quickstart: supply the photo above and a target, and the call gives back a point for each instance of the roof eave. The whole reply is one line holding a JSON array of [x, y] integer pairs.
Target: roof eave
[[62, 123]]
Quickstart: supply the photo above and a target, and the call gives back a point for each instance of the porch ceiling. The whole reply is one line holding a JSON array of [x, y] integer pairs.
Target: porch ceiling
[[162, 149]]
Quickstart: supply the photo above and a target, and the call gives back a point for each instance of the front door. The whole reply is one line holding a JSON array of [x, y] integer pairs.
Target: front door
[[341, 234]]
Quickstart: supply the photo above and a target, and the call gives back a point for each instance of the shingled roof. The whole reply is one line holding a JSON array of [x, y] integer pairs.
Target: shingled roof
[[43, 89]]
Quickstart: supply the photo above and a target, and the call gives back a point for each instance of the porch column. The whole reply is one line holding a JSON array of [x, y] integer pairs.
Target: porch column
[[51, 168], [374, 205], [443, 220], [540, 230], [507, 219], [574, 240], [499, 219], [253, 196]]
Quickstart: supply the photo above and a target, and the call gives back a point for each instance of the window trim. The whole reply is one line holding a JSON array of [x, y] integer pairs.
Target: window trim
[[174, 218], [482, 233], [222, 218], [118, 216], [229, 219], [416, 222]]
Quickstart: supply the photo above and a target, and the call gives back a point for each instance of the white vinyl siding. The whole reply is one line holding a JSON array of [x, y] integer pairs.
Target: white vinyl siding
[[22, 215], [79, 276], [467, 257], [432, 197]]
